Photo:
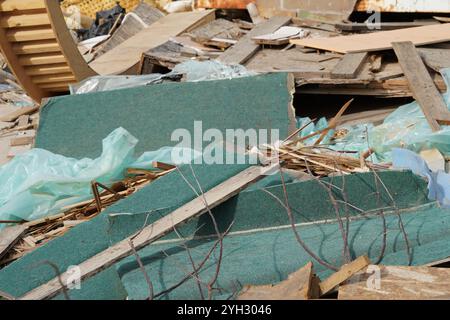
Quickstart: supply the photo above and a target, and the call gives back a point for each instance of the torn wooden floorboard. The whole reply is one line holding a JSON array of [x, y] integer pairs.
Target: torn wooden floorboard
[[422, 85], [397, 283], [156, 230], [246, 47]]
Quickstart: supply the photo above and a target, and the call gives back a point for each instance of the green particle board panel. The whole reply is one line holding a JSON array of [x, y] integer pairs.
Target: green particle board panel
[[75, 125], [252, 209], [269, 256]]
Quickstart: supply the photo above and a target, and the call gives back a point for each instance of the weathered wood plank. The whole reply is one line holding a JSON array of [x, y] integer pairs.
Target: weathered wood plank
[[349, 66], [421, 84], [378, 41], [246, 47], [156, 230]]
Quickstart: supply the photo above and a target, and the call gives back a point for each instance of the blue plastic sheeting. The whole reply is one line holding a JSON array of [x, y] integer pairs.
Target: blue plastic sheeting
[[438, 182], [40, 183]]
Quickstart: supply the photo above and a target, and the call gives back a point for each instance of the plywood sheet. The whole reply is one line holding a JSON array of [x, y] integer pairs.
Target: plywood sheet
[[379, 40], [126, 56], [397, 283]]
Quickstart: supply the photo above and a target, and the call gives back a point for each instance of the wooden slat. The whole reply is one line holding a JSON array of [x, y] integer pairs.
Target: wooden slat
[[12, 5], [246, 47], [25, 20], [156, 230], [379, 40], [29, 34], [349, 66], [38, 59], [56, 86], [421, 84], [54, 78], [47, 69], [40, 46]]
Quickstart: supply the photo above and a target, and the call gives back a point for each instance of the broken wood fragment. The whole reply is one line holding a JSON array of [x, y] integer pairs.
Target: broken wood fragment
[[298, 286], [345, 273]]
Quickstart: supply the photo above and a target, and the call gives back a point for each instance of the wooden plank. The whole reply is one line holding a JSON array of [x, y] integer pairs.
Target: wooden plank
[[345, 273], [422, 85], [298, 286], [246, 47], [21, 141], [379, 40], [397, 283], [13, 5], [350, 65], [19, 112], [9, 237], [125, 57], [156, 230], [355, 26]]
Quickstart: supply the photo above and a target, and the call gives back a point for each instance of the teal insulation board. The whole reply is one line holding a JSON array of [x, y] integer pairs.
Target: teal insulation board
[[74, 126], [260, 248]]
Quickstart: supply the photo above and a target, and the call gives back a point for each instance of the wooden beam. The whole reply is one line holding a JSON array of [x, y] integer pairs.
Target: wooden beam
[[345, 273], [349, 66], [422, 85], [245, 48], [156, 230]]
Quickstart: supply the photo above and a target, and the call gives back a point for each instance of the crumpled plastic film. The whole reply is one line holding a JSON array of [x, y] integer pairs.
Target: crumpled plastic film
[[40, 183]]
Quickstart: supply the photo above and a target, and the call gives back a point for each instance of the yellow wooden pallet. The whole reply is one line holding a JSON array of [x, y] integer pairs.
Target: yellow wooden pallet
[[38, 47]]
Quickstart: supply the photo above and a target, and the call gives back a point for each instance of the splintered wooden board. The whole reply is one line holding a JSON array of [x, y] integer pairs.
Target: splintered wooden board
[[379, 40], [397, 283], [126, 56]]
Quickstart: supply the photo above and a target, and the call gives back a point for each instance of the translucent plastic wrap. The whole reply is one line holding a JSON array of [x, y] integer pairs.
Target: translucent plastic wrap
[[40, 183], [107, 83], [406, 128], [192, 70], [210, 70]]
